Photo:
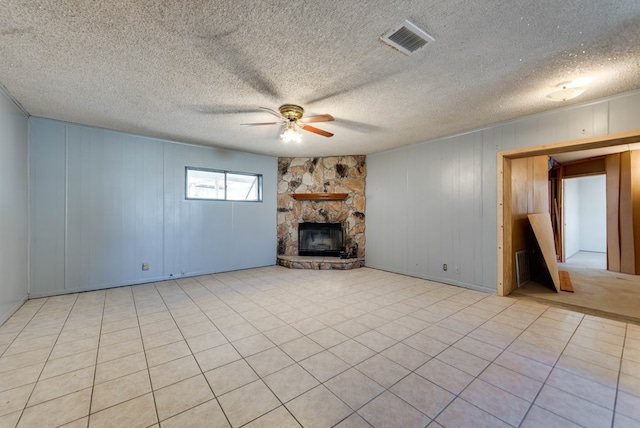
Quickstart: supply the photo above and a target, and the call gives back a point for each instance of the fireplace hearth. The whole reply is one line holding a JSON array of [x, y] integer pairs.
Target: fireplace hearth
[[320, 239]]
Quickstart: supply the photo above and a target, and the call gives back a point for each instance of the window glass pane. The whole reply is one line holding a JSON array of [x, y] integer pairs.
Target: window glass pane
[[205, 184], [222, 185], [243, 187]]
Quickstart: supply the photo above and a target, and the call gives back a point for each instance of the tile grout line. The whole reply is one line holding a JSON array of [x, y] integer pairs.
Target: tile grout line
[[21, 329], [298, 364], [379, 353], [144, 350], [531, 403], [615, 400], [549, 375], [95, 370], [524, 417], [48, 356], [458, 395], [215, 396], [243, 358], [244, 286], [388, 321], [388, 389]]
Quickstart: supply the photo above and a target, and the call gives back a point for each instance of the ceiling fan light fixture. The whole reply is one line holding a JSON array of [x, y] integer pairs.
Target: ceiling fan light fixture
[[290, 133], [290, 115]]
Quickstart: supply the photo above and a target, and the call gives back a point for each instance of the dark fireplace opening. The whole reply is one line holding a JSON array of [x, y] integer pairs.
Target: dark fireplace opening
[[320, 239]]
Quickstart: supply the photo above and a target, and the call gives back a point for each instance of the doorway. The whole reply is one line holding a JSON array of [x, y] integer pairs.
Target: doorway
[[613, 294], [505, 193], [585, 221]]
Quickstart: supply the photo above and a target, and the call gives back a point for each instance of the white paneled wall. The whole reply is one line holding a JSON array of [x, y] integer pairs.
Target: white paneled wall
[[113, 208], [585, 214], [571, 214], [104, 202], [624, 113], [206, 236], [47, 192], [425, 209], [593, 213], [13, 207], [434, 203]]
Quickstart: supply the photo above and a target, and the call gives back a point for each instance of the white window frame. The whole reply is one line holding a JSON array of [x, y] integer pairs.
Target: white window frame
[[218, 187]]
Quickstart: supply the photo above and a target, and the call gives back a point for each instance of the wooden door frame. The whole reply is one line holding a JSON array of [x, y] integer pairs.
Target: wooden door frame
[[503, 165]]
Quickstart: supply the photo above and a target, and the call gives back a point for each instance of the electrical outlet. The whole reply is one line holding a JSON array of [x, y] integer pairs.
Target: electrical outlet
[[444, 266], [145, 266]]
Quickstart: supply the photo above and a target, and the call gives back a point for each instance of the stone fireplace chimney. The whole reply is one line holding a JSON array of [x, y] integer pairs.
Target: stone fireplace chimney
[[325, 177]]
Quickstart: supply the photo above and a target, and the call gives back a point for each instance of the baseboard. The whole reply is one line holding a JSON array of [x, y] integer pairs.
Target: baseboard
[[41, 294], [18, 305], [447, 281]]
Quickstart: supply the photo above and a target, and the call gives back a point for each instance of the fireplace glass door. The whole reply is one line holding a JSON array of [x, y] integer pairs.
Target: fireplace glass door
[[320, 239]]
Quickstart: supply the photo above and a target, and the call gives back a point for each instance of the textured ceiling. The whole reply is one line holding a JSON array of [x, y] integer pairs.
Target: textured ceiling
[[194, 71]]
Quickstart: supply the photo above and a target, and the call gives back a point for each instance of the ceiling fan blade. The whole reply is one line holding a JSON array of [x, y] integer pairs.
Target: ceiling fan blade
[[316, 130], [261, 123], [319, 118], [273, 112]]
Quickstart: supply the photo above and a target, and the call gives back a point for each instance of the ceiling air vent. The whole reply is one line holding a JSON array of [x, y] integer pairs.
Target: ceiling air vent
[[407, 38]]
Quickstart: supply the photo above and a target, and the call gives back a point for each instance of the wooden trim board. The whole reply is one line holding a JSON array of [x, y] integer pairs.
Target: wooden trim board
[[542, 229], [319, 196], [610, 140], [503, 165], [565, 281], [627, 250], [613, 212]]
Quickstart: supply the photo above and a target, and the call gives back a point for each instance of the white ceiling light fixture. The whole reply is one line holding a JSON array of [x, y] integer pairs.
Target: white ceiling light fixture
[[571, 89]]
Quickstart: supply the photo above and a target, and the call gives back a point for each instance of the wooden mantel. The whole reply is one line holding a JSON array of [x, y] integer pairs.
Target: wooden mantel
[[319, 196]]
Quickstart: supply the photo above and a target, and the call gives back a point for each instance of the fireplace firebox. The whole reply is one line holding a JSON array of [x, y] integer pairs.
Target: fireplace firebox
[[320, 239]]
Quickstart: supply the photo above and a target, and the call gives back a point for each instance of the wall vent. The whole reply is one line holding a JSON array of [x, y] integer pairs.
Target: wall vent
[[523, 270], [407, 38]]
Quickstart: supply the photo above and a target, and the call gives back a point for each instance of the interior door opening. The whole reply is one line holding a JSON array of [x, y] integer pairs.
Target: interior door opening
[[508, 195], [585, 221], [612, 292]]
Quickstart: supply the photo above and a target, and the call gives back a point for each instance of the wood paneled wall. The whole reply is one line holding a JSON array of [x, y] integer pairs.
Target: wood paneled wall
[[526, 192], [623, 212], [612, 166]]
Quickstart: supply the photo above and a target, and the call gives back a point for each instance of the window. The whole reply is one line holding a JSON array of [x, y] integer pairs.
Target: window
[[218, 185]]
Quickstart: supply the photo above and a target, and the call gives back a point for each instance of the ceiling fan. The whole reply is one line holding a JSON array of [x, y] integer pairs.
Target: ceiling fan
[[291, 116]]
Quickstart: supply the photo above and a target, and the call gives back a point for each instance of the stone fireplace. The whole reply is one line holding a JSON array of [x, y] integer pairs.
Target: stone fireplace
[[322, 190]]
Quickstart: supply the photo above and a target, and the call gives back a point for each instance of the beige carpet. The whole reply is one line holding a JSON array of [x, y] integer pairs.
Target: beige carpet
[[596, 291]]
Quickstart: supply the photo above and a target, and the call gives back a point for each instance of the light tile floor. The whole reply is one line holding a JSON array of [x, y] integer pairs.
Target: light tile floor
[[274, 347]]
